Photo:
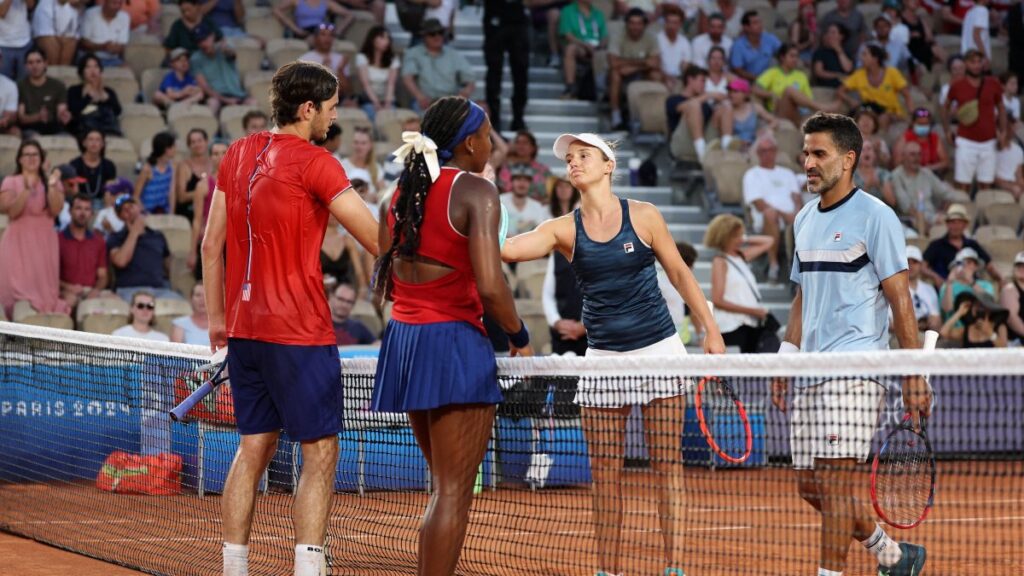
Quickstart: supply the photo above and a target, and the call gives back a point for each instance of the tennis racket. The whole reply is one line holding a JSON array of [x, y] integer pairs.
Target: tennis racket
[[723, 420], [903, 473], [218, 361]]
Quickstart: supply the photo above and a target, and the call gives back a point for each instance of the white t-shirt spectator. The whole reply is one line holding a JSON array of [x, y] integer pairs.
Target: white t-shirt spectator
[[776, 186], [14, 28], [1012, 105], [443, 13], [130, 332], [51, 18], [925, 300], [674, 55], [520, 221], [335, 60], [96, 28], [8, 95], [109, 216], [702, 45], [1007, 162], [976, 17], [378, 76]]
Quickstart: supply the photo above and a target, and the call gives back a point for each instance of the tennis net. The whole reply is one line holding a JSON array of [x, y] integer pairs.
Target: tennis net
[[70, 400]]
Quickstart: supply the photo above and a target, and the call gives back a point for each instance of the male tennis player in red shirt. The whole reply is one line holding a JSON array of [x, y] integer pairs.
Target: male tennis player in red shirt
[[265, 296]]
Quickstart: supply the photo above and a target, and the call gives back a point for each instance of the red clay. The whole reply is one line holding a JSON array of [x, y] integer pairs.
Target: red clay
[[741, 522]]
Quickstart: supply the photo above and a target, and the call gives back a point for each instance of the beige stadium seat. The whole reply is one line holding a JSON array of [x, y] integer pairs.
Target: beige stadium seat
[[532, 313], [182, 279], [281, 51], [167, 309], [8, 154], [24, 314], [823, 94], [949, 42], [986, 198], [1003, 214], [1004, 249], [728, 177], [790, 141], [123, 82], [937, 231], [257, 84], [59, 149], [647, 106], [140, 122], [389, 124], [176, 229], [348, 120], [123, 154], [347, 49], [249, 54], [364, 312], [990, 232], [66, 74], [362, 22], [824, 8], [4, 222], [168, 14], [150, 81], [102, 315], [260, 23], [231, 120], [144, 53], [182, 118]]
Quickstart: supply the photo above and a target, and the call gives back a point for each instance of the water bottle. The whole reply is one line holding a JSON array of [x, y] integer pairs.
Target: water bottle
[[634, 171]]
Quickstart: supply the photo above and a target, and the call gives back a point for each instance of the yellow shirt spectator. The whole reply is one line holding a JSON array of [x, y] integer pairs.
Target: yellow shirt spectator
[[885, 94], [776, 80]]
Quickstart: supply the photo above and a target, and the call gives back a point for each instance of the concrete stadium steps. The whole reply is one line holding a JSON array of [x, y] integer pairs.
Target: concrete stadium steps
[[535, 90], [554, 107], [555, 124], [537, 74]]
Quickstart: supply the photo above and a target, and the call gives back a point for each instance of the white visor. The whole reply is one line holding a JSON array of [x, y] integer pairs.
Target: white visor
[[561, 146]]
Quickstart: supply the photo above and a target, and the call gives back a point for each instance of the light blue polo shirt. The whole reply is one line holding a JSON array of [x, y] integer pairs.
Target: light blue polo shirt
[[843, 253]]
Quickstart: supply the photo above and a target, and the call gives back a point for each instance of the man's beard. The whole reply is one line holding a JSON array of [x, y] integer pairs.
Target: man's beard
[[825, 184]]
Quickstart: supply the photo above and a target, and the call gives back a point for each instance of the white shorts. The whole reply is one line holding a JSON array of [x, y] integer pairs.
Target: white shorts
[[975, 160], [615, 392], [835, 419]]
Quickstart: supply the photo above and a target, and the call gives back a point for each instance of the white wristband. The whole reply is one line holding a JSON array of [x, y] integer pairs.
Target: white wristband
[[788, 348]]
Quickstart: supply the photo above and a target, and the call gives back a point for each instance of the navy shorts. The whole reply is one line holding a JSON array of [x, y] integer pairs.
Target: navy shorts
[[281, 386]]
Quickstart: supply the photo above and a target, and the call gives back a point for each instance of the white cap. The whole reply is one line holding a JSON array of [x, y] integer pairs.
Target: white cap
[[561, 146], [967, 253], [914, 253], [1018, 259]]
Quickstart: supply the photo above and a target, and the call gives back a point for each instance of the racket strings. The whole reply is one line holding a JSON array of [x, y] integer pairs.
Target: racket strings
[[905, 477]]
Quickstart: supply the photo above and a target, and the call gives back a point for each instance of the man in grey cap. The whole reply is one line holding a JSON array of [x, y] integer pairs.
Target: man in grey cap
[[432, 70]]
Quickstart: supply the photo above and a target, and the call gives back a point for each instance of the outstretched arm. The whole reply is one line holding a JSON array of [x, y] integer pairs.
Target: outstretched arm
[[539, 242]]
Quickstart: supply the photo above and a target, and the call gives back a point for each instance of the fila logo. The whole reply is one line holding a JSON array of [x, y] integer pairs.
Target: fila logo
[[628, 247], [837, 237], [832, 440]]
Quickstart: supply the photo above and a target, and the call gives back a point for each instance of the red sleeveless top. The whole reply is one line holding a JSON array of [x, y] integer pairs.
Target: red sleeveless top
[[454, 296]]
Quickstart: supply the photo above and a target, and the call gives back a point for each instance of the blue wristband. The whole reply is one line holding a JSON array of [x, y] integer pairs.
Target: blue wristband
[[520, 339]]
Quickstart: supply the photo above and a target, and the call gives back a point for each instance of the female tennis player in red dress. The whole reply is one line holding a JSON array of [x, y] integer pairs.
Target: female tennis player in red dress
[[441, 265]]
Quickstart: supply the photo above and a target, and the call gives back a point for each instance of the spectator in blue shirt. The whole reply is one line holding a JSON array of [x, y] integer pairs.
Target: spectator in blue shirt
[[139, 254], [179, 85], [754, 51], [347, 331]]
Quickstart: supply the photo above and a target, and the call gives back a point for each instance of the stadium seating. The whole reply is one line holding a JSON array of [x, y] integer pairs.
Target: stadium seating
[[389, 124], [139, 122], [8, 153], [1006, 214], [182, 118], [123, 82], [986, 234], [59, 149], [167, 309], [647, 106], [24, 313], [231, 120], [123, 154], [102, 315], [364, 312], [144, 53], [281, 51], [248, 55]]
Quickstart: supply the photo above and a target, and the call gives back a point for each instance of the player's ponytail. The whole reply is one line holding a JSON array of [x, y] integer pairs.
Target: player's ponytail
[[442, 123]]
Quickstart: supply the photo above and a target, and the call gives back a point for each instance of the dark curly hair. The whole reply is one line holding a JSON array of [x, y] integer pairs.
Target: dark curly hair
[[441, 123]]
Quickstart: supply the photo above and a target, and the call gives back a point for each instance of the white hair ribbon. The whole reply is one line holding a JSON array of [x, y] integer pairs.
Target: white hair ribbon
[[421, 144]]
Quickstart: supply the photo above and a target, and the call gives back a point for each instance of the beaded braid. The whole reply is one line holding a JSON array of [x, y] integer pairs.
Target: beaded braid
[[441, 123]]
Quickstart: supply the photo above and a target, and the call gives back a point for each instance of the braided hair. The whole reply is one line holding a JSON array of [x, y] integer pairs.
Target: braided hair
[[441, 123]]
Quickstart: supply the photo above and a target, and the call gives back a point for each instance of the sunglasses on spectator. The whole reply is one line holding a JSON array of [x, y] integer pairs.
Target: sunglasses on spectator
[[145, 306]]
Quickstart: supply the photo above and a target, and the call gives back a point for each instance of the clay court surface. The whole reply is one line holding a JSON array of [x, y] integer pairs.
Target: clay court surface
[[740, 522]]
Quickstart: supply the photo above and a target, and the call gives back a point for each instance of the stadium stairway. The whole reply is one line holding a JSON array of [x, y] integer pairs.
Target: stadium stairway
[[547, 116]]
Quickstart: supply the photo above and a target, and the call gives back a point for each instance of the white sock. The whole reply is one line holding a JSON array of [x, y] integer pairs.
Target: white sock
[[310, 560], [726, 140], [883, 547], [236, 559], [701, 148], [825, 572]]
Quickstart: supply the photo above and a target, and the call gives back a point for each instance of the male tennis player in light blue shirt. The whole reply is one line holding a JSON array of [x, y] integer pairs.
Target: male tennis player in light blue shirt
[[850, 267]]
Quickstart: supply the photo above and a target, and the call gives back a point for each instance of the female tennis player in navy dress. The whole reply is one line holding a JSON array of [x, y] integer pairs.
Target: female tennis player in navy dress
[[612, 244], [441, 266]]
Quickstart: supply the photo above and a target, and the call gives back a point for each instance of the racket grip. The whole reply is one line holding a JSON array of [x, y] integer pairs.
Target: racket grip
[[179, 411]]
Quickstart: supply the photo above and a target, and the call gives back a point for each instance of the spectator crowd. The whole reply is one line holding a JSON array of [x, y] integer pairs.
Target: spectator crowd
[[116, 115]]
